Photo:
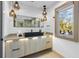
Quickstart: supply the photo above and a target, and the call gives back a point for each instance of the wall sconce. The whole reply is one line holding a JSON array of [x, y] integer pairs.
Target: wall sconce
[[16, 5], [44, 14], [12, 13]]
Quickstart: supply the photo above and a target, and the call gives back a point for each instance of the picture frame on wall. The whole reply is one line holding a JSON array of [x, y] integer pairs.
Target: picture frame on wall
[[66, 21]]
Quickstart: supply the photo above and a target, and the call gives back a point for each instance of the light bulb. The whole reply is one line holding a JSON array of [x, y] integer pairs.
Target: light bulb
[[12, 13], [16, 5]]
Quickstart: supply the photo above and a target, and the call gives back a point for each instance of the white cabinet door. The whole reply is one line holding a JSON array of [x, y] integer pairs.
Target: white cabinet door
[[33, 44], [38, 44], [49, 42], [43, 43], [27, 47], [21, 44]]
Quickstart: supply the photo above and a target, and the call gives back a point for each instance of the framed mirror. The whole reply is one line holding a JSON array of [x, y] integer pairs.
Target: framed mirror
[[26, 21]]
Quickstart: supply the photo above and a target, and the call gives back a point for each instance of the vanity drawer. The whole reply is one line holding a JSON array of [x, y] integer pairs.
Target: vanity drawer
[[14, 49]]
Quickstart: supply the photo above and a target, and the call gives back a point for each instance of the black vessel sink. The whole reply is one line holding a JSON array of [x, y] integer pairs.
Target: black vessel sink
[[33, 34]]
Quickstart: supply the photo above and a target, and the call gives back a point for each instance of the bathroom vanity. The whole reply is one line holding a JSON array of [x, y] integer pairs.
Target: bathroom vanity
[[26, 44]]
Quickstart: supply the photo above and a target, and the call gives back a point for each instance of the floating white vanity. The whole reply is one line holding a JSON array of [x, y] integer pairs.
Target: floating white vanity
[[21, 46]]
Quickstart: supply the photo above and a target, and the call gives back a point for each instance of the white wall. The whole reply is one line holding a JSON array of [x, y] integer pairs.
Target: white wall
[[8, 21], [64, 47], [5, 19]]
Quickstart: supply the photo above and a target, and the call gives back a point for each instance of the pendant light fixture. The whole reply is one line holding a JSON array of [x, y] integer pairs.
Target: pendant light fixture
[[12, 13], [44, 14], [16, 5]]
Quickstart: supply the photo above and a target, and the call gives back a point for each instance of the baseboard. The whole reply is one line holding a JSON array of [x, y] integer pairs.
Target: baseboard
[[58, 53]]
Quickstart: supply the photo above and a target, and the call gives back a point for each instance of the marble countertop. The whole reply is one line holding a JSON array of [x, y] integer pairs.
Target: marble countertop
[[14, 36]]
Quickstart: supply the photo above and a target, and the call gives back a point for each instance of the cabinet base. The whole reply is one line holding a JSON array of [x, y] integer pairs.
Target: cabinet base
[[37, 53]]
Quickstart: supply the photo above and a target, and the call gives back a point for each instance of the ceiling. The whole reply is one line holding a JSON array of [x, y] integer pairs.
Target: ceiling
[[38, 4]]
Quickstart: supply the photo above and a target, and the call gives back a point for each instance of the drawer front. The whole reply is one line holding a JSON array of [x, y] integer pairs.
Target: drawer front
[[8, 51], [18, 51], [14, 49]]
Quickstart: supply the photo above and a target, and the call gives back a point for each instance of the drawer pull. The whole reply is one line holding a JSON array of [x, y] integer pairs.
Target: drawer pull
[[48, 41], [15, 49]]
